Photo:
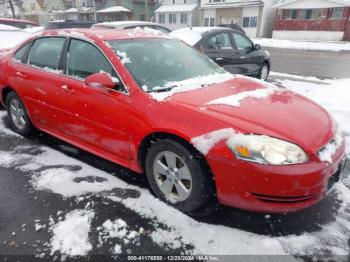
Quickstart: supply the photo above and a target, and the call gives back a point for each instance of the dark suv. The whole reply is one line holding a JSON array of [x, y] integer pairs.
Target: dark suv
[[60, 24], [229, 48]]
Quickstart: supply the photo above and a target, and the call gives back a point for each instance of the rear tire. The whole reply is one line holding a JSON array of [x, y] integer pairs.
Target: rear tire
[[18, 115], [178, 177], [264, 72]]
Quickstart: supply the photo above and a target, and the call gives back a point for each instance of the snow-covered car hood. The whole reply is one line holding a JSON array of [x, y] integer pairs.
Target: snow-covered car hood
[[253, 107]]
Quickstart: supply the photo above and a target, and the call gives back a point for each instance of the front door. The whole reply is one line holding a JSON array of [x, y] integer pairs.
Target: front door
[[249, 61], [220, 49], [98, 115]]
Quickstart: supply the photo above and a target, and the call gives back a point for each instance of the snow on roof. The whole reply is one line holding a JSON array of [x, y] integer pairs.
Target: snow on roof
[[192, 35], [176, 8], [76, 10], [337, 3], [114, 9], [125, 23], [8, 28], [233, 3]]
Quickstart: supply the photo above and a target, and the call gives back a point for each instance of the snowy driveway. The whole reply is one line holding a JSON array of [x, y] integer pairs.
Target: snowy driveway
[[59, 201]]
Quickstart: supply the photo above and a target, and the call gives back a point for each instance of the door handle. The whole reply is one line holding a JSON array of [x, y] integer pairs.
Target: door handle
[[20, 75], [67, 89]]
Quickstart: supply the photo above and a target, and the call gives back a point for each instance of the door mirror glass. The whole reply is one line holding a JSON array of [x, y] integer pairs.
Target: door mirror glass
[[101, 80], [257, 47]]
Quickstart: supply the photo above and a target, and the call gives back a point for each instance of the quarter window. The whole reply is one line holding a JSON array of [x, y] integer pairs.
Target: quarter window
[[45, 52], [84, 59], [220, 41], [19, 56]]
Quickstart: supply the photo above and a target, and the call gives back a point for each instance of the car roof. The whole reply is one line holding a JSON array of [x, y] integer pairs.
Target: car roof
[[72, 21], [104, 34], [16, 21], [192, 35], [116, 23]]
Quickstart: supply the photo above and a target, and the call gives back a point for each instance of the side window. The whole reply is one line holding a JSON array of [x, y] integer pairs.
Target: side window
[[84, 59], [19, 55], [242, 42], [45, 52], [220, 41]]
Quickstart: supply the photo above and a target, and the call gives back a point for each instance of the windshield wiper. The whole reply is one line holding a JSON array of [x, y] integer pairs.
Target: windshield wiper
[[162, 89]]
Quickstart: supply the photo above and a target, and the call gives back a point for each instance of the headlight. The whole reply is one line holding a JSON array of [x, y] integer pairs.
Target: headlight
[[266, 150]]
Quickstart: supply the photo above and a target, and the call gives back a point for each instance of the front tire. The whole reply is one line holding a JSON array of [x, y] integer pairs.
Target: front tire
[[18, 115], [264, 72], [177, 176]]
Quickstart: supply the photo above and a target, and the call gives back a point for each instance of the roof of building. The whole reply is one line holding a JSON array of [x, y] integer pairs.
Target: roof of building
[[176, 8], [233, 3], [114, 9], [283, 3], [80, 10]]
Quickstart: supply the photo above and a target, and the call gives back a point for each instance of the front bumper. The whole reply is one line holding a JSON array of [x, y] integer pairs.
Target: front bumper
[[274, 189]]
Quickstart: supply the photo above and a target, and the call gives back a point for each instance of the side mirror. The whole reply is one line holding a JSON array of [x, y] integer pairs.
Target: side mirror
[[257, 47], [101, 80]]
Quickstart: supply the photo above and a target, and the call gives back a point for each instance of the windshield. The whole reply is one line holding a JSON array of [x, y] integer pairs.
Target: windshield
[[154, 63]]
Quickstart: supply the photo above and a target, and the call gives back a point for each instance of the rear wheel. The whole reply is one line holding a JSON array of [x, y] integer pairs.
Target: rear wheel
[[264, 72], [178, 177], [19, 119]]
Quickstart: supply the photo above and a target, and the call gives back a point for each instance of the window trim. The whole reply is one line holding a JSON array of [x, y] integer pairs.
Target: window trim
[[65, 65]]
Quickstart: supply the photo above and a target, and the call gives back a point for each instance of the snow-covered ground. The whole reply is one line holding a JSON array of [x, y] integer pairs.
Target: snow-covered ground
[[303, 45], [55, 172]]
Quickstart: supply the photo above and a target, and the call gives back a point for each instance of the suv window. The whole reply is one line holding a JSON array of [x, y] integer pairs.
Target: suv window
[[19, 55], [45, 52], [242, 42], [85, 59], [220, 41]]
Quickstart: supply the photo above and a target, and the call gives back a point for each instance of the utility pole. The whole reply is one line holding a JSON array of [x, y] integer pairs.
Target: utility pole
[[12, 9], [146, 10], [94, 6]]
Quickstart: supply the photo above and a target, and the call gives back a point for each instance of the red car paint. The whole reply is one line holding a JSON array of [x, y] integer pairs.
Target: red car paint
[[113, 125]]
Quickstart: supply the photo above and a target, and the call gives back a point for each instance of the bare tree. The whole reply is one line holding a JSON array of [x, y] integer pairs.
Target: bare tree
[[12, 9]]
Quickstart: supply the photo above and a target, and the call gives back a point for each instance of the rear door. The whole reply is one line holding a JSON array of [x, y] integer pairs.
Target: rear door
[[249, 60], [219, 48], [36, 79]]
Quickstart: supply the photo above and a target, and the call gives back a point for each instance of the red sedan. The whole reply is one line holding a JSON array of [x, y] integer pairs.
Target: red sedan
[[155, 105]]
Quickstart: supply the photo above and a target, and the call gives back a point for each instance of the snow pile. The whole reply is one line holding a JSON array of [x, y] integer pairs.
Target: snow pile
[[235, 100], [330, 149], [7, 159], [161, 236], [71, 236], [303, 45], [116, 229], [189, 84], [207, 141]]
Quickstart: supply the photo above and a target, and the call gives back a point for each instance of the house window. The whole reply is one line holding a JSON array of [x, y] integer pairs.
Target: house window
[[294, 14], [142, 17], [161, 18], [212, 22], [172, 18], [336, 13], [206, 21], [183, 18], [185, 1], [305, 14], [251, 21], [173, 2]]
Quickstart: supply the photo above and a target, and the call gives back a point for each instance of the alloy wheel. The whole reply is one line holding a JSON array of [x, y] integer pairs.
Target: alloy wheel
[[172, 176]]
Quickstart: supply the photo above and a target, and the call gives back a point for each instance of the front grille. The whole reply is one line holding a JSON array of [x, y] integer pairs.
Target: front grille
[[281, 199]]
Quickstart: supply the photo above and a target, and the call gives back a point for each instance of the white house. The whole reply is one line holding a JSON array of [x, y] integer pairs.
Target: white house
[[254, 16], [176, 14]]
